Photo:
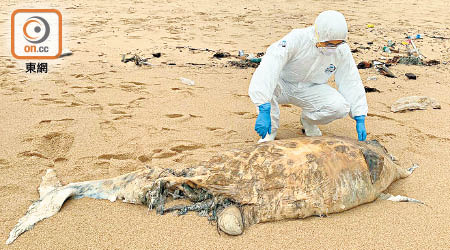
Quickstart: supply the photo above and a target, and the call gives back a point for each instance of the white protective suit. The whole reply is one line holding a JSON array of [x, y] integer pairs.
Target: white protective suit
[[295, 71]]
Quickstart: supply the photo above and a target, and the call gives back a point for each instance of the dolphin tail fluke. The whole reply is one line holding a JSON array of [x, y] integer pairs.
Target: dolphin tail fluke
[[52, 197]]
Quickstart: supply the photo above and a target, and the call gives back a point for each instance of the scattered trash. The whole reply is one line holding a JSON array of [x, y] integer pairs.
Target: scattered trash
[[157, 55], [386, 49], [65, 52], [255, 60], [417, 36], [370, 89], [243, 64], [196, 64], [385, 71], [221, 55], [409, 60], [412, 60], [370, 25], [241, 53], [440, 37], [371, 78], [355, 50], [187, 81], [411, 76], [136, 59], [364, 65], [390, 43], [375, 63], [413, 103], [415, 50], [432, 62], [190, 48], [370, 43]]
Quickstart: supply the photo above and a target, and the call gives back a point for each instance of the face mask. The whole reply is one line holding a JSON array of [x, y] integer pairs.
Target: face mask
[[327, 51]]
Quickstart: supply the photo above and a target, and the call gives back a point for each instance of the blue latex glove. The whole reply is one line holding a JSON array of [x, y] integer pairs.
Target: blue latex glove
[[263, 124], [361, 127]]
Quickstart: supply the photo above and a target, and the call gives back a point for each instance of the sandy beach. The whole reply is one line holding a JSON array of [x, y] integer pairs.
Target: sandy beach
[[94, 117]]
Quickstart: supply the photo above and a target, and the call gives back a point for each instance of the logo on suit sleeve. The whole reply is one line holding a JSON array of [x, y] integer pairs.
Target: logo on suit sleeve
[[330, 69]]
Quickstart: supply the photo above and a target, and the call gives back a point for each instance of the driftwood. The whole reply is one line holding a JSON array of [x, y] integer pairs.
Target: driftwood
[[271, 181]]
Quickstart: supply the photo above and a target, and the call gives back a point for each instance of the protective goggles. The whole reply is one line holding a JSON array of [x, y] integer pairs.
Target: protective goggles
[[330, 44]]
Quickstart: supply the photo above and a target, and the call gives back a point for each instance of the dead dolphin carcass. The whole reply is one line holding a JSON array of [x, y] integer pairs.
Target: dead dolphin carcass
[[271, 181]]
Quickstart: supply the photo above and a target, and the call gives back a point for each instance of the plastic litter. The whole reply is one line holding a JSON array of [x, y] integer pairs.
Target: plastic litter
[[187, 81], [364, 65], [370, 25], [385, 71], [371, 90], [371, 78], [411, 76], [221, 54]]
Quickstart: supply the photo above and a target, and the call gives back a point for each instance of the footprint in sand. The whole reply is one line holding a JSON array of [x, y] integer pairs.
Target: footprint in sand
[[64, 121], [4, 164], [117, 112], [53, 145], [121, 117], [164, 154], [144, 158], [213, 128], [119, 156], [174, 115], [246, 115], [182, 148]]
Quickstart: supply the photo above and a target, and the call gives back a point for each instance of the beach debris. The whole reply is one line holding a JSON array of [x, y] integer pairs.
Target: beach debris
[[139, 61], [187, 81], [431, 62], [385, 71], [370, 25], [370, 89], [413, 103], [417, 36], [440, 37], [157, 55], [411, 76], [196, 64], [364, 65], [190, 48], [415, 50], [221, 55], [66, 52], [371, 78], [243, 64], [241, 53], [271, 181], [410, 60], [255, 60]]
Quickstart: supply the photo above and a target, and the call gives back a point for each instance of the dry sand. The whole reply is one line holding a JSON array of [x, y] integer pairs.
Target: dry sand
[[93, 117]]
